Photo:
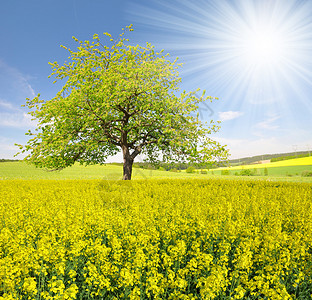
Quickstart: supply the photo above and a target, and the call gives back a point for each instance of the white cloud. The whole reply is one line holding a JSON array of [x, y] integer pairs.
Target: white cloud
[[267, 145], [269, 123], [6, 105], [7, 148], [14, 84], [250, 147], [14, 89], [17, 120], [229, 115]]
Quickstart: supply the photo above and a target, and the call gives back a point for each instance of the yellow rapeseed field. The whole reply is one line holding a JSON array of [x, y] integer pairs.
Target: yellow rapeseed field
[[174, 239], [303, 161]]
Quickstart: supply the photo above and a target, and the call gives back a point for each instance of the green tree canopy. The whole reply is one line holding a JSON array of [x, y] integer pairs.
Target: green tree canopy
[[119, 98]]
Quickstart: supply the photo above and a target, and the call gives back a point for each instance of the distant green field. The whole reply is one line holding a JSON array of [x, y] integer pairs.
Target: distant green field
[[22, 170], [276, 171]]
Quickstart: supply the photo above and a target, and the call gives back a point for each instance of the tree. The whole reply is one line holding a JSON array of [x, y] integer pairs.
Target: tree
[[118, 97]]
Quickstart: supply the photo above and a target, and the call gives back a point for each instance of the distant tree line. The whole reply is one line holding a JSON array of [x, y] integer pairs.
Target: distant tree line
[[274, 159], [247, 172], [253, 159], [8, 160], [173, 166]]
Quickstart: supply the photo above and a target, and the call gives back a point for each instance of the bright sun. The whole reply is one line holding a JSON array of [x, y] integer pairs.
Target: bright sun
[[259, 50], [262, 47]]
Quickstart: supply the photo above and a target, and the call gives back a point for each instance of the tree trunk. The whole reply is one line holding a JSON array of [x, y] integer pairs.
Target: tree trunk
[[127, 163]]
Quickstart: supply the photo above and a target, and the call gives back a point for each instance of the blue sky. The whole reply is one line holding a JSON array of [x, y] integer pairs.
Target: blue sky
[[255, 56]]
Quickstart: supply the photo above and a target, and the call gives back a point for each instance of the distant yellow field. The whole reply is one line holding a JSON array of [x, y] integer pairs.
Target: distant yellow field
[[304, 161]]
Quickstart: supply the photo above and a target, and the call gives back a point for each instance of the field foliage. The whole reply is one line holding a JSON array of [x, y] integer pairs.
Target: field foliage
[[173, 239]]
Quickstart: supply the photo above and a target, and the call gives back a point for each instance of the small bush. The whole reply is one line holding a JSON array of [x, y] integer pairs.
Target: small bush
[[247, 172], [190, 170], [161, 169], [174, 170], [203, 172], [306, 173], [225, 172]]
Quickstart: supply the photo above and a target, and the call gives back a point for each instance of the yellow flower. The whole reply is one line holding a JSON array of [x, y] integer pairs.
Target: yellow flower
[[30, 285], [71, 292], [240, 292]]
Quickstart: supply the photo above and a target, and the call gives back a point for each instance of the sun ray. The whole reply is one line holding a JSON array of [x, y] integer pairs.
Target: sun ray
[[257, 51]]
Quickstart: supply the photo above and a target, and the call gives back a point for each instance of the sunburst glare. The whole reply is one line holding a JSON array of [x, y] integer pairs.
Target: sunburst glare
[[257, 50], [262, 47], [254, 55]]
